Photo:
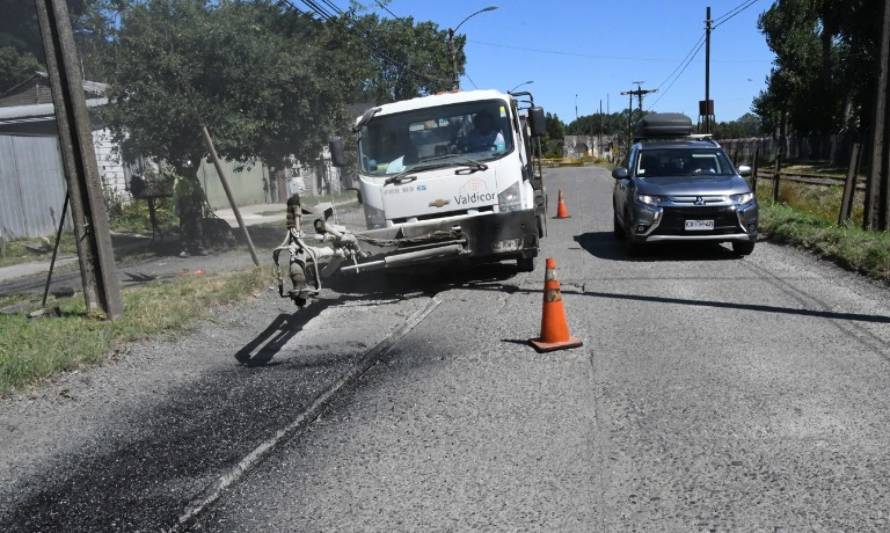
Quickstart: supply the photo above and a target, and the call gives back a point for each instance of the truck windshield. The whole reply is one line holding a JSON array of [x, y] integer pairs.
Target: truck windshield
[[448, 135], [683, 162]]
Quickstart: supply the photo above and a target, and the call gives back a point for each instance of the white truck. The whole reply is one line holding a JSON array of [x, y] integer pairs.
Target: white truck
[[457, 173], [453, 176]]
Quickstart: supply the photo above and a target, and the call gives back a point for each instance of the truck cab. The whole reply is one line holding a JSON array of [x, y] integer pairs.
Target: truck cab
[[460, 164]]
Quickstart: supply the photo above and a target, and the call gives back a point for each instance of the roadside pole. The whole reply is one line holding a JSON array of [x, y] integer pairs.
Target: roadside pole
[[777, 175], [101, 288], [708, 111], [878, 195], [849, 187], [225, 183], [755, 167]]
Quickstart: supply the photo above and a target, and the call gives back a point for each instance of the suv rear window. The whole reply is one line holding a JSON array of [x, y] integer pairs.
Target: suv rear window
[[682, 162]]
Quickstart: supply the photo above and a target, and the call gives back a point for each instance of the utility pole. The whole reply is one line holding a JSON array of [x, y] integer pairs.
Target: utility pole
[[101, 288], [639, 92], [599, 137], [877, 205], [576, 107], [706, 108]]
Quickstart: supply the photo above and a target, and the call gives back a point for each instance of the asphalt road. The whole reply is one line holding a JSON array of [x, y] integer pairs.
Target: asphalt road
[[711, 393]]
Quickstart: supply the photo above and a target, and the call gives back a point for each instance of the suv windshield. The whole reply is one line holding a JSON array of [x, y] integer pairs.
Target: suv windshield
[[681, 162], [447, 135]]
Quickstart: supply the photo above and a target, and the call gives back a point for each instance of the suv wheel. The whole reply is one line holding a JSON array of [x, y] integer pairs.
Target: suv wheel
[[617, 230], [631, 247], [742, 248]]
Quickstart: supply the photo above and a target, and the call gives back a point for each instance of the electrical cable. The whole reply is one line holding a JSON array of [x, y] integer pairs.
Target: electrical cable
[[732, 13], [685, 59], [678, 76], [371, 44]]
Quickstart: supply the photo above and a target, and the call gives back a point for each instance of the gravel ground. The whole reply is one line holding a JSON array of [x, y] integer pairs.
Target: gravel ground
[[711, 393]]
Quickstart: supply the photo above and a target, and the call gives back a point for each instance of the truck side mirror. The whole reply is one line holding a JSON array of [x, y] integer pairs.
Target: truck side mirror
[[338, 152], [537, 121], [619, 173]]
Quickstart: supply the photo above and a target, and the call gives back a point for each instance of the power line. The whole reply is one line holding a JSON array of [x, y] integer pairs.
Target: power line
[[603, 57], [733, 12], [371, 43], [679, 75], [684, 60]]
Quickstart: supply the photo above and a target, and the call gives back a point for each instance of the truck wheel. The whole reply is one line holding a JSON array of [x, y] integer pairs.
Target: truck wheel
[[525, 264], [742, 248]]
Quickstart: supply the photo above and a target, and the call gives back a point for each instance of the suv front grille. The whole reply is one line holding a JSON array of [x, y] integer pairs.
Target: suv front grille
[[673, 220]]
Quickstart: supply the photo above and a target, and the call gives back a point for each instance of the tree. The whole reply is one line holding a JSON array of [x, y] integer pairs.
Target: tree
[[15, 67], [183, 63], [825, 69], [748, 125]]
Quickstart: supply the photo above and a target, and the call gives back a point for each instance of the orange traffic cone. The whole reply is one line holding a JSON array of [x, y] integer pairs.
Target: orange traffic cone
[[554, 326], [561, 210]]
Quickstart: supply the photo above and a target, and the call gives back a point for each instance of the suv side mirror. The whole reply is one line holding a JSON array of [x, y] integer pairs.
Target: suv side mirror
[[537, 121], [338, 152], [619, 173], [744, 170]]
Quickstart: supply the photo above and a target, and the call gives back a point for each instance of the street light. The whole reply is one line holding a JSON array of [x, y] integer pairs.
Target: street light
[[523, 84], [455, 80]]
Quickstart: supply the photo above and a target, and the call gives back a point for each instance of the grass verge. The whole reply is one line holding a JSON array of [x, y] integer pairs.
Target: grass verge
[[863, 251], [32, 350]]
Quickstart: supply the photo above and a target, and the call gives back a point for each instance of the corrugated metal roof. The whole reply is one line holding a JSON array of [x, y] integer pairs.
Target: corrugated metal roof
[[39, 110]]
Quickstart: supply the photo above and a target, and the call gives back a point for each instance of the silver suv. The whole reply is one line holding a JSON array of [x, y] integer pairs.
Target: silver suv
[[683, 189]]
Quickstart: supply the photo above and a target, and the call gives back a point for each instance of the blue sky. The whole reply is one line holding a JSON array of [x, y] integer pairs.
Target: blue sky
[[614, 43]]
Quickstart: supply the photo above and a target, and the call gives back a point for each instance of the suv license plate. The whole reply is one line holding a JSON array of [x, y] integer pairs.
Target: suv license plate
[[699, 225]]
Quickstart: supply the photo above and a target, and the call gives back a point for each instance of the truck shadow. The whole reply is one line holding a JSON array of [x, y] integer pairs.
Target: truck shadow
[[371, 286], [604, 245]]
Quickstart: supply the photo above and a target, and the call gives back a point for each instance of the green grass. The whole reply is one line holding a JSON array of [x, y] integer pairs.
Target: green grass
[[134, 217], [17, 252], [33, 350], [862, 251]]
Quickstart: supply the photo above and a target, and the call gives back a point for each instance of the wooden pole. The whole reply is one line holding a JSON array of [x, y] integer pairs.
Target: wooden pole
[[225, 183], [754, 167], [849, 187], [101, 287], [777, 175], [876, 210]]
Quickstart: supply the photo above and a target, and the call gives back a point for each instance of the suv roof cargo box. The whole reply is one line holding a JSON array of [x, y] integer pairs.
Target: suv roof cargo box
[[664, 125]]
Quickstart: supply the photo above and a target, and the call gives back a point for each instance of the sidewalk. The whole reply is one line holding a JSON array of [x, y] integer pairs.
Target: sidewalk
[[35, 267]]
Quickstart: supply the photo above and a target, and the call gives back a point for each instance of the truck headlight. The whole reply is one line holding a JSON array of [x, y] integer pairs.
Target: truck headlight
[[742, 199], [648, 199], [510, 199], [374, 218]]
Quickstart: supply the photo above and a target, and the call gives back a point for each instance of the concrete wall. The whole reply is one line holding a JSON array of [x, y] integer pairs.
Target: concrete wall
[[249, 183]]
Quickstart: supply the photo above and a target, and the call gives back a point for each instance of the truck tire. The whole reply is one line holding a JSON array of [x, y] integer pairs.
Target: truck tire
[[525, 264]]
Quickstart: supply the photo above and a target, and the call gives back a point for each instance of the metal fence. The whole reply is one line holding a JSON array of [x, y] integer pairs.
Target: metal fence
[[32, 186], [835, 149]]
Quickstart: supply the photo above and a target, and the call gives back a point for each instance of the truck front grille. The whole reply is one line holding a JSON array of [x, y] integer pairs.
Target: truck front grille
[[434, 216]]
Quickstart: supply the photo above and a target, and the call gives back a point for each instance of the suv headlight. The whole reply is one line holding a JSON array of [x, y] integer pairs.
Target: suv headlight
[[742, 199], [509, 199], [648, 199]]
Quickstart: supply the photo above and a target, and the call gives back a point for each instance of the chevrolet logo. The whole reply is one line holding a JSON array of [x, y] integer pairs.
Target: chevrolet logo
[[439, 202]]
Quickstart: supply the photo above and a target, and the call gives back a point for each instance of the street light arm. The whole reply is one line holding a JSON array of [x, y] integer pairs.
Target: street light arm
[[471, 15]]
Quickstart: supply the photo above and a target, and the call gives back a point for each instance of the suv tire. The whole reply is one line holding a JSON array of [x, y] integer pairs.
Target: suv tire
[[617, 230], [742, 248]]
